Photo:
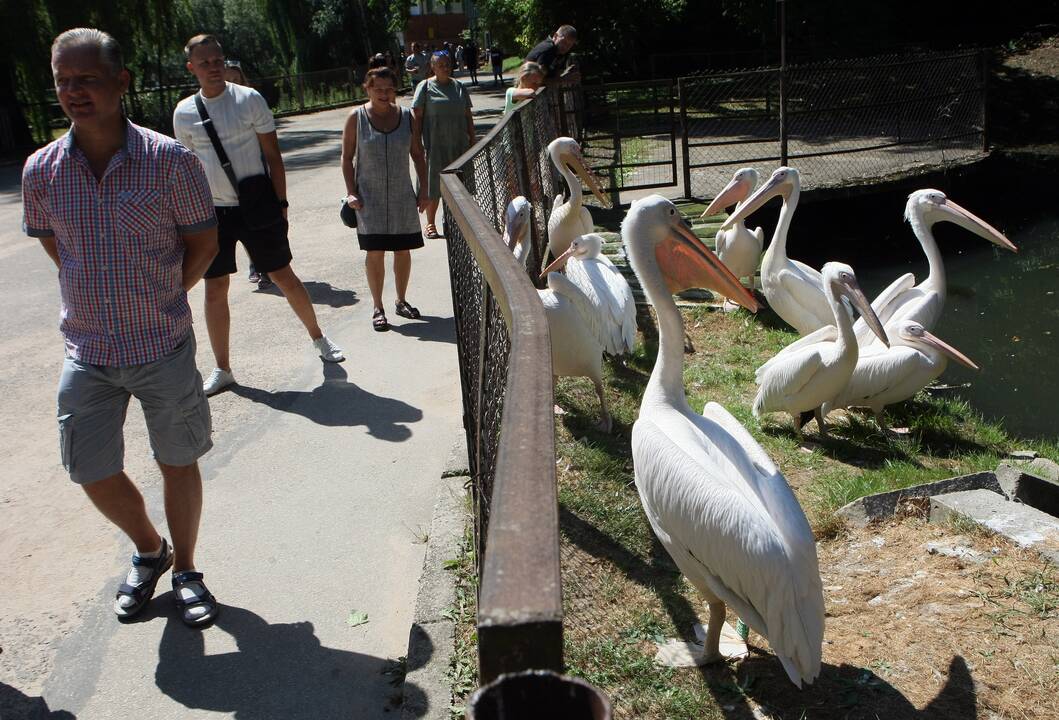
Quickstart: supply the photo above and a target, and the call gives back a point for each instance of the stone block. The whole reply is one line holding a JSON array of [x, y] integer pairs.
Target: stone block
[[1024, 525], [867, 509], [1035, 483]]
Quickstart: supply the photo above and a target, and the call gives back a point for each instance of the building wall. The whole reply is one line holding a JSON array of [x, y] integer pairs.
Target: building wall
[[434, 29]]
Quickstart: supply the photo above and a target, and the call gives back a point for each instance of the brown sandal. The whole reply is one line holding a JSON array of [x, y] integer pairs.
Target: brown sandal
[[406, 310], [431, 232], [379, 321]]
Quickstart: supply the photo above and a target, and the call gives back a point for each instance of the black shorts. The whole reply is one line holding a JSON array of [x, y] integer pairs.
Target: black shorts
[[267, 247]]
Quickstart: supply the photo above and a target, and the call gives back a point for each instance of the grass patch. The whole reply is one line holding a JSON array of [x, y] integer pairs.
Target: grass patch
[[621, 590], [463, 670]]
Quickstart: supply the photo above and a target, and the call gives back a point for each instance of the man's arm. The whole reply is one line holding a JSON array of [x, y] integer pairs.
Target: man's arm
[[199, 250], [270, 148], [51, 246]]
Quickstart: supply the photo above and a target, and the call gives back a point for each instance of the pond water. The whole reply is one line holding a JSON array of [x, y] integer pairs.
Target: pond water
[[1002, 309]]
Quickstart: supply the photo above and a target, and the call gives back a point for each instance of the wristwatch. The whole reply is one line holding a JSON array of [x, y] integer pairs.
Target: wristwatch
[[284, 204]]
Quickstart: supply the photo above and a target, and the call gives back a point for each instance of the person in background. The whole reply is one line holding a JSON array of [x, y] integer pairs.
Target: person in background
[[442, 108], [530, 77], [382, 136], [470, 58], [233, 73], [417, 64], [496, 58], [126, 215], [247, 132], [376, 61], [459, 57], [553, 54]]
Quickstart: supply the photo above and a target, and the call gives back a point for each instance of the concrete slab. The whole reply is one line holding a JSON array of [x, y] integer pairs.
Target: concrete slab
[[1024, 525], [870, 508], [1030, 484]]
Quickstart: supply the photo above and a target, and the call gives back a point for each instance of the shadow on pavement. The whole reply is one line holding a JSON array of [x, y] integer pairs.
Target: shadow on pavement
[[16, 705], [340, 403], [428, 328], [280, 671], [320, 293]]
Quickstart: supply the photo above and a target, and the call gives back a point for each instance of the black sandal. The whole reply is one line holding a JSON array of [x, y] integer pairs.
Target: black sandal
[[205, 599], [406, 310], [143, 592], [379, 321]]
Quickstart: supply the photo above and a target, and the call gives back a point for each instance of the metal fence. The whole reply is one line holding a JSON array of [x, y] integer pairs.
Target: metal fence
[[505, 372], [839, 122]]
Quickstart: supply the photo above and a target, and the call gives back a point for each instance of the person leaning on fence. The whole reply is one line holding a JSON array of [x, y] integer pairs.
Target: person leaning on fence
[[442, 108], [553, 54], [126, 216], [377, 141], [246, 132], [530, 77]]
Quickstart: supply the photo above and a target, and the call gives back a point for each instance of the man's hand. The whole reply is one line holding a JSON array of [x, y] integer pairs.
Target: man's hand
[[423, 200], [354, 202]]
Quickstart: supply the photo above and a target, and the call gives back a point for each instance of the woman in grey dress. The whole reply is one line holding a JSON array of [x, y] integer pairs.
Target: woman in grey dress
[[442, 109], [377, 140]]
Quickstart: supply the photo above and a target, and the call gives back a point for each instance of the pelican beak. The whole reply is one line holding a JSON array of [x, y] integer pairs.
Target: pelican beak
[[560, 261], [949, 350], [856, 296], [577, 164], [734, 193], [686, 262], [775, 186], [971, 222], [514, 231]]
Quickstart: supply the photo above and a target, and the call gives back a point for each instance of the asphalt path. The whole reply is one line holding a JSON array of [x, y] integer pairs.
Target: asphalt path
[[318, 493]]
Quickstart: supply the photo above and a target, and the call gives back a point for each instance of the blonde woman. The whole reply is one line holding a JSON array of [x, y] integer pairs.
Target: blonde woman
[[530, 77]]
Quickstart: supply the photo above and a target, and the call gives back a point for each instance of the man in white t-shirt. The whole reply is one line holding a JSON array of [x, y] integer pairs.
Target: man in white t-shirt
[[417, 64], [247, 132]]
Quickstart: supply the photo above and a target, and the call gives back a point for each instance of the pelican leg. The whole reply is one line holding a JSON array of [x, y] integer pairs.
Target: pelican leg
[[880, 419], [711, 646], [605, 421], [819, 414], [799, 420]]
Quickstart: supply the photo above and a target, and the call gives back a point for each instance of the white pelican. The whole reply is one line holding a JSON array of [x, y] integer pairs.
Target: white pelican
[[605, 287], [738, 247], [903, 299], [575, 325], [814, 369], [794, 290], [570, 218], [884, 377], [713, 497]]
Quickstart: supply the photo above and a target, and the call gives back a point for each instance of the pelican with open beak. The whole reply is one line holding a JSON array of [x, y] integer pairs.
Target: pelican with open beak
[[570, 217], [816, 368]]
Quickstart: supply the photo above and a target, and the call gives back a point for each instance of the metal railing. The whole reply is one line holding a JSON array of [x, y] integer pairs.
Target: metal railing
[[505, 372]]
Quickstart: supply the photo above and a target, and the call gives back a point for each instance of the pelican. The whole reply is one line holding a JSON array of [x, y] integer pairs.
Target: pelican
[[738, 247], [802, 378], [575, 325], [605, 287], [713, 497], [794, 290], [884, 377], [923, 303], [570, 218]]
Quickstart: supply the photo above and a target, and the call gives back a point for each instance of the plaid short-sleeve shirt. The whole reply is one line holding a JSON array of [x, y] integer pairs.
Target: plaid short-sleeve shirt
[[120, 250]]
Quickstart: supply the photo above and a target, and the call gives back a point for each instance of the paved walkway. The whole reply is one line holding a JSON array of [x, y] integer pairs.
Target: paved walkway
[[318, 493]]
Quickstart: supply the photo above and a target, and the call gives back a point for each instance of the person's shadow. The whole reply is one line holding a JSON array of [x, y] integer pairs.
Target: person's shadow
[[16, 705], [321, 293], [279, 671], [340, 403], [428, 328]]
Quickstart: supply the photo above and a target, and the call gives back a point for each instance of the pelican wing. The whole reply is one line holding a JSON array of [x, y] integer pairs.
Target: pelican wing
[[586, 309], [587, 224], [759, 233], [828, 333], [876, 373], [720, 242], [806, 292], [715, 509], [787, 377], [611, 297]]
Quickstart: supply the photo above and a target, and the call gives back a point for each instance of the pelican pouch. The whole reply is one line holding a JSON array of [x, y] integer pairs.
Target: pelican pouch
[[258, 203]]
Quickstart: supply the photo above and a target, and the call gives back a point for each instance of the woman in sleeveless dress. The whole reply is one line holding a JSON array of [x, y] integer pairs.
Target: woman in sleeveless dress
[[377, 140]]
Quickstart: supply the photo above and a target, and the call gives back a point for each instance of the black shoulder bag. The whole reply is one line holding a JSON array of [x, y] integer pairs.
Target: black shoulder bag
[[258, 203]]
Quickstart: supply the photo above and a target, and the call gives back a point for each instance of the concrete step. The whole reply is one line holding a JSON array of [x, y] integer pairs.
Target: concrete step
[[1026, 526]]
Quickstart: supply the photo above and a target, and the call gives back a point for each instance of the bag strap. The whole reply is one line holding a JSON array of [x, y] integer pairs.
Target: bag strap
[[207, 123]]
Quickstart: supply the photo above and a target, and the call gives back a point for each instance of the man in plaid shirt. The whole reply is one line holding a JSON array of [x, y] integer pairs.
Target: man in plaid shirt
[[127, 217]]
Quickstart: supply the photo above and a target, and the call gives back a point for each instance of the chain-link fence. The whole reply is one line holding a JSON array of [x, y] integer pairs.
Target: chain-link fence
[[505, 373], [843, 121]]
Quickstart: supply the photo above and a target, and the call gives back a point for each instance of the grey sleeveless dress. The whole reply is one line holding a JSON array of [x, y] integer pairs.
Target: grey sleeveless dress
[[389, 219]]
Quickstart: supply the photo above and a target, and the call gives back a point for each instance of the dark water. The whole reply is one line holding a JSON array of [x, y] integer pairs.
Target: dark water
[[1002, 309]]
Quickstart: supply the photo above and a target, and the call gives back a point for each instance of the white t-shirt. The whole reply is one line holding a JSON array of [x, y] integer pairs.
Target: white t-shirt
[[239, 115]]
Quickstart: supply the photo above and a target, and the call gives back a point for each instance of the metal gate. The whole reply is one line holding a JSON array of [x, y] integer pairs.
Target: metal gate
[[629, 134]]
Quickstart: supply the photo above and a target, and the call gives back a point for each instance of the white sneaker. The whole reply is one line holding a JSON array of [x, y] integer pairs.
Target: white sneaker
[[217, 381], [329, 352]]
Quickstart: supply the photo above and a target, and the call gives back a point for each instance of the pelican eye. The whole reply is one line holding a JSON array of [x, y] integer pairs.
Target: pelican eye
[[672, 211]]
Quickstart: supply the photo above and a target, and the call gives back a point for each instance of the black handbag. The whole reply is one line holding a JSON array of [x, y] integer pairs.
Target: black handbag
[[348, 215], [258, 203]]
